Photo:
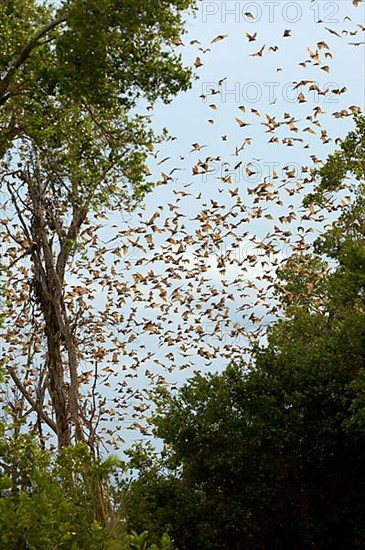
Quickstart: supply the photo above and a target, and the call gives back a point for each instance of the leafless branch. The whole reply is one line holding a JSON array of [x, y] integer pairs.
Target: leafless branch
[[30, 399]]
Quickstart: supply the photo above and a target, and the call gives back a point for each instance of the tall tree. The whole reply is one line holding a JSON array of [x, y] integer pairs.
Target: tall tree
[[71, 143]]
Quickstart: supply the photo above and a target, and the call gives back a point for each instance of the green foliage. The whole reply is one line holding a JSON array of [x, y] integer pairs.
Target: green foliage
[[271, 458], [302, 283], [49, 502], [71, 78], [157, 501], [122, 49], [140, 542], [349, 160]]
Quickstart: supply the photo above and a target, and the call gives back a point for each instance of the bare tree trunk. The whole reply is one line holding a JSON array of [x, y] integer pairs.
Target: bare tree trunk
[[50, 243], [57, 386], [61, 346]]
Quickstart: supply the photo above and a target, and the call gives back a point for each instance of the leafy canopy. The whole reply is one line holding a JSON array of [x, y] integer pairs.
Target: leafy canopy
[[72, 75]]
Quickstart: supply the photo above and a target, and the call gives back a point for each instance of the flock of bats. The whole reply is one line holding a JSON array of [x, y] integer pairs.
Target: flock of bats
[[156, 295]]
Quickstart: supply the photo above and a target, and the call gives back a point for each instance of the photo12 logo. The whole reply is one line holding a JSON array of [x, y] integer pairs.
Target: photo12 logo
[[253, 172], [269, 11], [270, 92]]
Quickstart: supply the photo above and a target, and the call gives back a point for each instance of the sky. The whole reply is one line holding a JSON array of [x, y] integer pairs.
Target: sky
[[255, 83]]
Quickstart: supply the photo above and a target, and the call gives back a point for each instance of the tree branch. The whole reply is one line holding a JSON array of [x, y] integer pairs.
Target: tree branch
[[78, 218], [27, 50], [30, 399]]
